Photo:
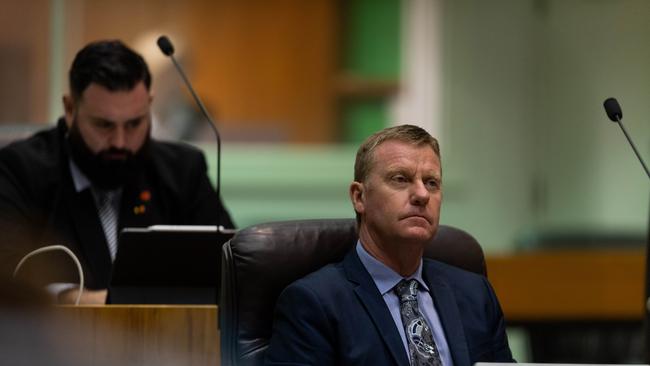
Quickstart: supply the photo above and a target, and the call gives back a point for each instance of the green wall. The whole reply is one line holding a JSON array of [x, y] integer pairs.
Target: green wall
[[371, 51], [271, 182]]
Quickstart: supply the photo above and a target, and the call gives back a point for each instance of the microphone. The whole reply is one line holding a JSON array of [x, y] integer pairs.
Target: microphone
[[614, 112], [167, 49], [165, 46]]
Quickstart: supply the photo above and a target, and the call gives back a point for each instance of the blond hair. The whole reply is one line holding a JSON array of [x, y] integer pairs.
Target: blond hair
[[410, 134]]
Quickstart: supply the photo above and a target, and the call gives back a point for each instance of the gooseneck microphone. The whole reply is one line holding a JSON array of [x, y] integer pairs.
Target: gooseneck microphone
[[615, 114], [167, 49]]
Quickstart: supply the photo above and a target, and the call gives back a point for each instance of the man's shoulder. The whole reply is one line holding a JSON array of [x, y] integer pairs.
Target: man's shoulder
[[173, 150], [458, 278], [323, 282], [449, 269], [177, 165], [176, 154], [325, 274], [41, 151]]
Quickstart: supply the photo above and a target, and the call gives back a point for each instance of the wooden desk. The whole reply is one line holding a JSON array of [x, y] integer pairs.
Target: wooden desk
[[570, 285], [143, 334], [532, 287]]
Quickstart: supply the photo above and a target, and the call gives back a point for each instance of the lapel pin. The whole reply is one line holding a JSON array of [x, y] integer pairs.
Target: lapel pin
[[145, 196], [139, 210]]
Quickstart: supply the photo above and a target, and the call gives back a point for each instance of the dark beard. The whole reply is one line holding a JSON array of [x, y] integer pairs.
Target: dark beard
[[105, 173]]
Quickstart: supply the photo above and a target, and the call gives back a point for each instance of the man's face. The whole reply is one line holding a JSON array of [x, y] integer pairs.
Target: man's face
[[399, 202], [109, 133], [111, 122]]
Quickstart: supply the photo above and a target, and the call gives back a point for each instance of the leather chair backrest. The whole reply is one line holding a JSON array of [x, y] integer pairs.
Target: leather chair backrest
[[260, 261]]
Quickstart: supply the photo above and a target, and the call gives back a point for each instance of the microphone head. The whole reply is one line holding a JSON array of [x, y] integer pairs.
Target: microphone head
[[613, 110], [165, 45]]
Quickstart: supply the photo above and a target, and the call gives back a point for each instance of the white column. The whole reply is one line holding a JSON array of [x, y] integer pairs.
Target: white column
[[419, 100], [57, 59]]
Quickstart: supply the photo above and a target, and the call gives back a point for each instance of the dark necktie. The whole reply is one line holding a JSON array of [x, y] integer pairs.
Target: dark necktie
[[108, 218], [422, 347]]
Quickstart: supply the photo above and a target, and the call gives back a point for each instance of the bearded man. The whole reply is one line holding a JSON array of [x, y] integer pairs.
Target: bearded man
[[96, 172]]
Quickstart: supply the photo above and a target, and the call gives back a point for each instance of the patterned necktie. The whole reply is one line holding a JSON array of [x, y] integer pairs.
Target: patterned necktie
[[422, 347], [108, 217]]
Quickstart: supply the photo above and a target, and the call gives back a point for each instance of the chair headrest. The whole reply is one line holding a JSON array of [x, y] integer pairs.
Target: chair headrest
[[261, 260]]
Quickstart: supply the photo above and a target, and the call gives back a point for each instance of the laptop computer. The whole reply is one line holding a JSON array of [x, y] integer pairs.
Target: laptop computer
[[168, 265]]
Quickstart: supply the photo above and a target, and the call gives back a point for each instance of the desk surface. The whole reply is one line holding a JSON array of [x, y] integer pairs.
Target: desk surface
[[570, 285], [535, 286], [143, 334]]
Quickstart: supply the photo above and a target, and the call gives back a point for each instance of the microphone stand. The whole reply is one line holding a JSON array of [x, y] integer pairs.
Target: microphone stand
[[168, 50], [627, 136], [615, 114]]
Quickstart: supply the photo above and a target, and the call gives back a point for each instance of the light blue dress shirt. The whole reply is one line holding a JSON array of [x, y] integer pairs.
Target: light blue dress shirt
[[385, 279]]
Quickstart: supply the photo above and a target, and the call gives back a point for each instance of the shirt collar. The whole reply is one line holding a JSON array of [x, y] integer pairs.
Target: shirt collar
[[383, 276], [79, 179]]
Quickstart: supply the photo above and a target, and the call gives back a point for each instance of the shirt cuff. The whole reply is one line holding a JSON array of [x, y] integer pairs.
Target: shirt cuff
[[55, 289]]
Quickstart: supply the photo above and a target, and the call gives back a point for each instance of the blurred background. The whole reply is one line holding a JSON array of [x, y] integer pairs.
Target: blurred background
[[513, 89]]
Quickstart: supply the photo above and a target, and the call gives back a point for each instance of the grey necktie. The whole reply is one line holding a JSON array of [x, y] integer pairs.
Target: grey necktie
[[422, 347], [108, 216]]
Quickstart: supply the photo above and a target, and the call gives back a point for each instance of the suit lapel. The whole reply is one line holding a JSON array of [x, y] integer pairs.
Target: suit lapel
[[89, 233], [86, 226], [136, 210], [447, 308], [368, 294]]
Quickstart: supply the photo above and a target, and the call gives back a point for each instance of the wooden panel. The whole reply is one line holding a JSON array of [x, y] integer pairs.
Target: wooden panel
[[128, 20], [264, 68], [143, 335], [24, 54], [570, 285], [268, 66]]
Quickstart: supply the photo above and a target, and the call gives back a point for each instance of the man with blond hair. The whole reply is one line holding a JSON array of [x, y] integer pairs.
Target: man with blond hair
[[384, 304]]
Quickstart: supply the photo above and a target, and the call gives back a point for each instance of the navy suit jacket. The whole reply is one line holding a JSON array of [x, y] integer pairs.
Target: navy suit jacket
[[336, 316]]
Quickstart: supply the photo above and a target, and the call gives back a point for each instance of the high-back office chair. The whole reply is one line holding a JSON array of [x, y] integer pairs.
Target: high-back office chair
[[260, 261]]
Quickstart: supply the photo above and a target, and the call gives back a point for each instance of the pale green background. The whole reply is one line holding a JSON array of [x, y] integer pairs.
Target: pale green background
[[526, 145]]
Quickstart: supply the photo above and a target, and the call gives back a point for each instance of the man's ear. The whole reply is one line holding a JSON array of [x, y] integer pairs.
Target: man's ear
[[69, 109], [357, 196]]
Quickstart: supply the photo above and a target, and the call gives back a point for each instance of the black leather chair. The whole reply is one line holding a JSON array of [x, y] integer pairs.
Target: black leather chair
[[260, 261]]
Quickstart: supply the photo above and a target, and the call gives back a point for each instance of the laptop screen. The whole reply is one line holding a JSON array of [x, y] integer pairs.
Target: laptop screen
[[168, 265]]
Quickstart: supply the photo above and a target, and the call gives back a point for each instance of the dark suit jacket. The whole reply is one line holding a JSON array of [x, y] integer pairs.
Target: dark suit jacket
[[336, 316], [39, 205]]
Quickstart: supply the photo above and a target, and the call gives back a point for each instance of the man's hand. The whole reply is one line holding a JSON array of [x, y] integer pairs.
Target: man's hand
[[88, 296]]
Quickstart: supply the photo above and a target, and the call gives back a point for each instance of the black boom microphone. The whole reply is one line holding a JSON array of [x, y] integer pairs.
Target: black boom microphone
[[167, 49], [615, 113]]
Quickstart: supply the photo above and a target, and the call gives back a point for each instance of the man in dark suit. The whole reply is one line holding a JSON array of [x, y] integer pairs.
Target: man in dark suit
[[96, 172], [384, 304]]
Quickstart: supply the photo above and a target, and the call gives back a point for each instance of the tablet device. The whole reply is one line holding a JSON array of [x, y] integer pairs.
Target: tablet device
[[165, 264]]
